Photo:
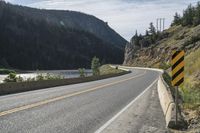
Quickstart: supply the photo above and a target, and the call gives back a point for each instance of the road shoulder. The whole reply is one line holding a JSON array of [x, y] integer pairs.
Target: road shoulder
[[144, 116]]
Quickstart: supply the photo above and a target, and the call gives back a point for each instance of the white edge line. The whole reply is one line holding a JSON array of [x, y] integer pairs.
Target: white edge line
[[144, 68], [125, 108]]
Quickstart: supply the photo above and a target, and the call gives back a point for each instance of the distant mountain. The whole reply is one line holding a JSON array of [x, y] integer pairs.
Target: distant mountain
[[52, 39]]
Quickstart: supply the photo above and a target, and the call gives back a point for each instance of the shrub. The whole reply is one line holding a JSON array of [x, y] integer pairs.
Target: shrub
[[81, 72], [95, 66], [164, 65], [30, 79], [40, 77], [191, 98], [12, 77], [52, 77], [47, 76]]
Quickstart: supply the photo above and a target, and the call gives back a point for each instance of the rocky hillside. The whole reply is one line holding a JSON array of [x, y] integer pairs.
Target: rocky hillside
[[159, 53], [52, 39], [155, 50]]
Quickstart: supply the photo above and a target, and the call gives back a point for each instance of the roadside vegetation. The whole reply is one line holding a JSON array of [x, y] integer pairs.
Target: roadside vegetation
[[189, 91], [47, 76], [191, 88], [6, 71], [97, 70], [12, 77], [190, 17], [95, 65], [82, 72], [107, 69], [184, 34]]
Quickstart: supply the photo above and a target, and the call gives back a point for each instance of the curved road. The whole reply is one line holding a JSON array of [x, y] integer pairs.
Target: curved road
[[78, 108]]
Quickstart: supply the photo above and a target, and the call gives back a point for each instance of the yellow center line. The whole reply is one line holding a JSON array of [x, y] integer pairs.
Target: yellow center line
[[29, 106]]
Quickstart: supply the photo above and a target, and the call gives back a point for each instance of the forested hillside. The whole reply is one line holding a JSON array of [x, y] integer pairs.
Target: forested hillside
[[49, 39]]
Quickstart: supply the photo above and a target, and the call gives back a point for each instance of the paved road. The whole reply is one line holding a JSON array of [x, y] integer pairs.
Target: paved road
[[79, 108]]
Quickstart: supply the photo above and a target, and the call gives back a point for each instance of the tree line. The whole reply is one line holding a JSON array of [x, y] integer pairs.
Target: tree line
[[151, 37], [190, 17]]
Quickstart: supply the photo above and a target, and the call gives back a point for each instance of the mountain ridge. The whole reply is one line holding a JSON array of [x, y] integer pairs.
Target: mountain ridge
[[31, 41], [76, 20]]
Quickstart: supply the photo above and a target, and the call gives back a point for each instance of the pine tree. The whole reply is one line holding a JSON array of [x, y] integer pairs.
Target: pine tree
[[196, 19], [135, 40], [152, 32], [152, 29], [188, 16], [177, 19], [147, 33]]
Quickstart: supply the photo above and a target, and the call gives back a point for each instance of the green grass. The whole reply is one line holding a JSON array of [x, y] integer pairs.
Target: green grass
[[106, 69], [191, 88]]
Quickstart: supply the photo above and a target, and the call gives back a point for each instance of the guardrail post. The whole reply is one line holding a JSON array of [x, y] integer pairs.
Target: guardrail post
[[176, 102]]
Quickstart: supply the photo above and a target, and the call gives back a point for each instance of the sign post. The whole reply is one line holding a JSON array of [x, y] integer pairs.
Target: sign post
[[177, 74]]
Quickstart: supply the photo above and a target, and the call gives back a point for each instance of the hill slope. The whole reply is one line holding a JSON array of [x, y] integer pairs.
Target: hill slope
[[159, 55], [49, 39]]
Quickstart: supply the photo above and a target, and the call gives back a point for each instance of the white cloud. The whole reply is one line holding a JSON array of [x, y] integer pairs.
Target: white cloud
[[125, 16]]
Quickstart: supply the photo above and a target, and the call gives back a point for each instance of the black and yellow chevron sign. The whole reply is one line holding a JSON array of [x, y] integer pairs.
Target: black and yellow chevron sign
[[177, 68]]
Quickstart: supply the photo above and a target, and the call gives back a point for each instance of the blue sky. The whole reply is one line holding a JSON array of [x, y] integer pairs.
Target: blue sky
[[124, 16]]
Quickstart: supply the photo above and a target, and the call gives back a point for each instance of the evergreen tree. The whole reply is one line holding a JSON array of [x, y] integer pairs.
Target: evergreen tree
[[177, 19], [152, 29], [152, 32], [188, 16], [196, 19], [135, 40], [147, 33]]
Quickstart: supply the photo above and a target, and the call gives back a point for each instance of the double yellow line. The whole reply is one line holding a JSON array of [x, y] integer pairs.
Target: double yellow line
[[29, 106]]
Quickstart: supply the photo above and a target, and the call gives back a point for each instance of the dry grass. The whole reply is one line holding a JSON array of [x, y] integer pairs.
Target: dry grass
[[191, 87], [106, 69]]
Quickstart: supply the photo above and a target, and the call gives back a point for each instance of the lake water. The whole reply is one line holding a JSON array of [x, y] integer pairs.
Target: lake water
[[63, 73]]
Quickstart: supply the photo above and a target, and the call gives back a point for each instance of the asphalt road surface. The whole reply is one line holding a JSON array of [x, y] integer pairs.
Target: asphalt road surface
[[78, 108]]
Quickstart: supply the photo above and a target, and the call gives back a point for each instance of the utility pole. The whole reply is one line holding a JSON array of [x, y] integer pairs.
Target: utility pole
[[160, 24], [176, 102], [163, 24], [157, 24]]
